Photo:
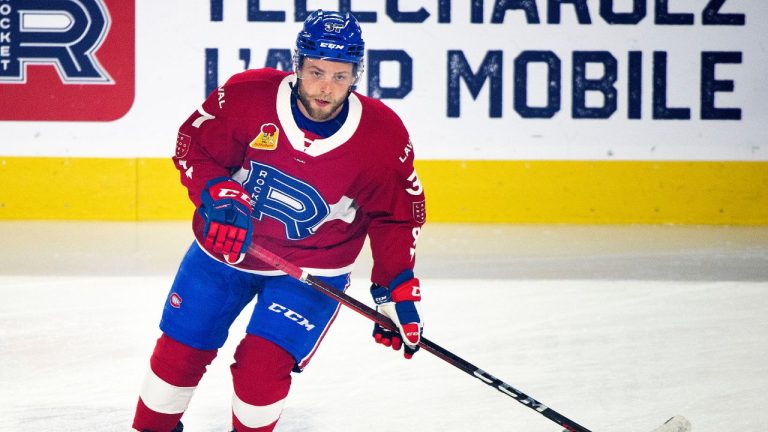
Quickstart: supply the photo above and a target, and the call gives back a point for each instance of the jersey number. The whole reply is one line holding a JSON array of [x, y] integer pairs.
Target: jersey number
[[293, 202]]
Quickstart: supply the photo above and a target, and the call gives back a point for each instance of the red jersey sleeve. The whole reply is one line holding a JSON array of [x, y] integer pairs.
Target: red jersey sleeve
[[397, 210], [206, 146]]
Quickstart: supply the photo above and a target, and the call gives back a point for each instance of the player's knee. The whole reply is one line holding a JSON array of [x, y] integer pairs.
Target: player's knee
[[262, 371], [179, 364]]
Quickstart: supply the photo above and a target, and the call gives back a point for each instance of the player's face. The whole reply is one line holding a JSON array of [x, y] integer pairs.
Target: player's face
[[323, 87]]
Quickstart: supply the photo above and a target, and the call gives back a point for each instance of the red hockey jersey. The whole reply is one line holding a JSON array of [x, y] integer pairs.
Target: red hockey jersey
[[314, 200]]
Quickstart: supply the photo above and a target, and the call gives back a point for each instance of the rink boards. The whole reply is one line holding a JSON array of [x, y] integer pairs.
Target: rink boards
[[690, 192]]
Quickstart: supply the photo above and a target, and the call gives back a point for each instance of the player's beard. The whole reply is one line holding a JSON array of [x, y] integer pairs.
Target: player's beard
[[327, 112]]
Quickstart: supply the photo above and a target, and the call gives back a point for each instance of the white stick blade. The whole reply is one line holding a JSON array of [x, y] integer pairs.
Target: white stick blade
[[675, 424]]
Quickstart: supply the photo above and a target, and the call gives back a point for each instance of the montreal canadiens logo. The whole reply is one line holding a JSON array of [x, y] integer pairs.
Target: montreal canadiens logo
[[175, 300]]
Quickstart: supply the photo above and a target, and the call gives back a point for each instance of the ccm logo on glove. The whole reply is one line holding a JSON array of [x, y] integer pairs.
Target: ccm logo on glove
[[233, 193]]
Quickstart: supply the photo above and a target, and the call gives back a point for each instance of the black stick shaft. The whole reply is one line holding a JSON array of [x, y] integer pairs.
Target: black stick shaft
[[440, 352]]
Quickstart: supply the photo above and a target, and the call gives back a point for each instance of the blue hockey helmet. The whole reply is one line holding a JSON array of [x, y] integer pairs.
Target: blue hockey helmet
[[332, 36]]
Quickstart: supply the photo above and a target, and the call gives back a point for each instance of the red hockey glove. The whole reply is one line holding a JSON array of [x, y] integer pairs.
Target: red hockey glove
[[226, 210], [401, 306]]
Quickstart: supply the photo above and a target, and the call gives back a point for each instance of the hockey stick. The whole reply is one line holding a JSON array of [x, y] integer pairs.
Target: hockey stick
[[675, 424]]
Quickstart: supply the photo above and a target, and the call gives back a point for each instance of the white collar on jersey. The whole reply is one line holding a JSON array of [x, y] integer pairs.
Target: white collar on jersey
[[296, 136]]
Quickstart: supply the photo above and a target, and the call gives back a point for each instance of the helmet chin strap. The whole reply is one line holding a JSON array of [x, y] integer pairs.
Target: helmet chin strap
[[295, 86]]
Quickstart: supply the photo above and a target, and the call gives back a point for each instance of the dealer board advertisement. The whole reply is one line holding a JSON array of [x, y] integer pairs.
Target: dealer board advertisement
[[480, 79]]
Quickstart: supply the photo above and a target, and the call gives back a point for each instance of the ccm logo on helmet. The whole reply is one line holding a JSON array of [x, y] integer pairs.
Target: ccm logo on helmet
[[331, 45]]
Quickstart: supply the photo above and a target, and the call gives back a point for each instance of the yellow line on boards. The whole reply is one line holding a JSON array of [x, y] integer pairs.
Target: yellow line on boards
[[584, 192]]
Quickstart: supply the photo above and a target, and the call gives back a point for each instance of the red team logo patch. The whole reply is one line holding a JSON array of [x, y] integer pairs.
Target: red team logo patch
[[175, 300], [183, 142], [419, 212], [67, 59]]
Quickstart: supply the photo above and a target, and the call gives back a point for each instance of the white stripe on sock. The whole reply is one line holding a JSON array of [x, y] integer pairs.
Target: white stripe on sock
[[255, 416], [164, 398]]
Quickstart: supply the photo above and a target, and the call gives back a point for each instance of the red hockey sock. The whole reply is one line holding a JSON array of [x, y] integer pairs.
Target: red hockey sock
[[174, 372], [261, 376]]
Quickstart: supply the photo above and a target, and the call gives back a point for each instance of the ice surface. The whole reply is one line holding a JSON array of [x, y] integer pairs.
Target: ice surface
[[618, 328]]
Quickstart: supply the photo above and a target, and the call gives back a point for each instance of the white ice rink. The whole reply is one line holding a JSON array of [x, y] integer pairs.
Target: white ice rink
[[617, 328]]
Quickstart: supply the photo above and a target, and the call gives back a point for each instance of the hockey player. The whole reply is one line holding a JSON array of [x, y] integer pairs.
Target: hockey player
[[306, 167]]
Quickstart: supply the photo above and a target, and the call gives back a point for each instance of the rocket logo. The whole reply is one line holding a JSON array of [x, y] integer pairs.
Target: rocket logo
[[66, 59], [267, 138]]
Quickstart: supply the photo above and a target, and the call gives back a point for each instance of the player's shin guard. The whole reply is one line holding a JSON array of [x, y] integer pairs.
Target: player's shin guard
[[174, 372], [261, 376]]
